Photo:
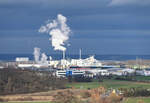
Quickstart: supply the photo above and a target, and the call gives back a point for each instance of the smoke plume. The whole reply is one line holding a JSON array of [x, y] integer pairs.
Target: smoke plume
[[36, 54], [44, 58], [59, 32]]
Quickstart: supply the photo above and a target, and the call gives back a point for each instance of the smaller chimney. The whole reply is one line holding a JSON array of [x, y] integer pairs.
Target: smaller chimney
[[80, 54]]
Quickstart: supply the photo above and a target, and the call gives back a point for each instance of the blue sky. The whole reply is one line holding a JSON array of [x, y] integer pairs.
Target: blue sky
[[98, 26]]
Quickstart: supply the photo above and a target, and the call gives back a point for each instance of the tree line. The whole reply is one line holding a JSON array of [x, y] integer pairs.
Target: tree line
[[14, 81]]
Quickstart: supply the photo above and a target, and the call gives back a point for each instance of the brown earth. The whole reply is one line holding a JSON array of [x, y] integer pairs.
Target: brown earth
[[40, 96]]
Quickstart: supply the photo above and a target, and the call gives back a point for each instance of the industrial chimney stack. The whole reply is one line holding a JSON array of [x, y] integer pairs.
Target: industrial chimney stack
[[63, 54]]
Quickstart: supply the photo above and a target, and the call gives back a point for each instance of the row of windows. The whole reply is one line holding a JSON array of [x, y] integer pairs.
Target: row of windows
[[73, 72], [61, 72], [77, 72]]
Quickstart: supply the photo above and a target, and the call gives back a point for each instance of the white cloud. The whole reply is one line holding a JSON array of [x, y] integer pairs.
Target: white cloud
[[129, 2]]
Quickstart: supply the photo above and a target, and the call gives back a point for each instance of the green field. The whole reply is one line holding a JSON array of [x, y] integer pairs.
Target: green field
[[109, 84], [143, 78]]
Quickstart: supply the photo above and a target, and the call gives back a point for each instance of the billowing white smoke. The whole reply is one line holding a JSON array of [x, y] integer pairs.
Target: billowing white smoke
[[36, 54], [59, 32], [44, 58]]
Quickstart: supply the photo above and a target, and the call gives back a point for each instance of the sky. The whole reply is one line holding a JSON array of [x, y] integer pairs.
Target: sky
[[98, 26]]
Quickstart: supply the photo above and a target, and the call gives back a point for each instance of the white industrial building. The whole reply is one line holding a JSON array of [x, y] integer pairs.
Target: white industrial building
[[22, 59]]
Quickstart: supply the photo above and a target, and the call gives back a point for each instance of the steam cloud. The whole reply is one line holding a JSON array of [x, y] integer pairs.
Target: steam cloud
[[36, 54], [59, 32], [44, 58]]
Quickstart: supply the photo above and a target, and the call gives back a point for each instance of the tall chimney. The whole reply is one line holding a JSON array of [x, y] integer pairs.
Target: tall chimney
[[63, 54]]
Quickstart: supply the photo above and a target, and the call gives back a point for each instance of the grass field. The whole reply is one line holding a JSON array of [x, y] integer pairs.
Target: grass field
[[109, 84], [143, 78]]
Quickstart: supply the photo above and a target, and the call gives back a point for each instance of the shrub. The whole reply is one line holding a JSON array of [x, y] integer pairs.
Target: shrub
[[135, 92], [114, 98], [66, 97], [140, 101], [86, 94], [96, 95], [99, 96], [1, 100]]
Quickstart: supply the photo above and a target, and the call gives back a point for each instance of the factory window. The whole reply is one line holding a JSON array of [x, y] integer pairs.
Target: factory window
[[61, 72]]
